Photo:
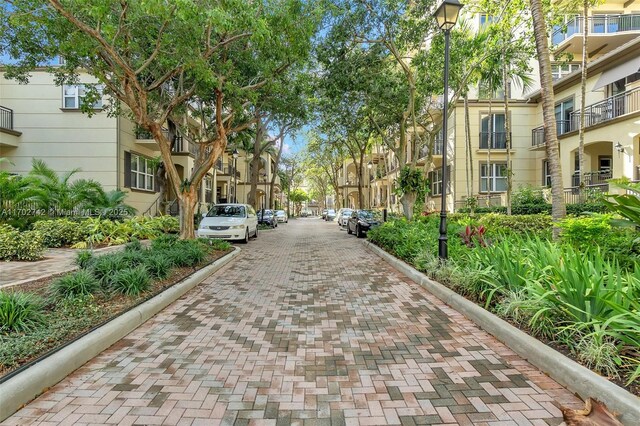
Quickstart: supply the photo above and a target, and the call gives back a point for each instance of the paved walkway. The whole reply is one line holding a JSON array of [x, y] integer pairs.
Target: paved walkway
[[305, 327], [55, 261]]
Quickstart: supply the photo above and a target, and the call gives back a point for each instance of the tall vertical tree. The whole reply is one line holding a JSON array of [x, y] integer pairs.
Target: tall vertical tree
[[558, 210]]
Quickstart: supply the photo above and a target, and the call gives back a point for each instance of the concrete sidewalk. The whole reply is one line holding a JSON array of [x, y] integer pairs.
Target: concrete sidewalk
[[305, 327]]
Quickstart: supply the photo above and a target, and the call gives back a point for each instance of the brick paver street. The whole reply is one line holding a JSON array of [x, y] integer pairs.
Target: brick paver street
[[306, 327]]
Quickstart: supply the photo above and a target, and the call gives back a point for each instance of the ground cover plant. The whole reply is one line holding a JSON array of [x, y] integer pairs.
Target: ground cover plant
[[580, 294], [42, 315]]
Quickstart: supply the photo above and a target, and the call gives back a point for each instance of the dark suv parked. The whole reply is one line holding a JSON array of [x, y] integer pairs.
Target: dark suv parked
[[267, 217]]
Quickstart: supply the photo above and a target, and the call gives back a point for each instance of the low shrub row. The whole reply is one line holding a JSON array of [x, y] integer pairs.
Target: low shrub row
[[582, 292], [29, 245]]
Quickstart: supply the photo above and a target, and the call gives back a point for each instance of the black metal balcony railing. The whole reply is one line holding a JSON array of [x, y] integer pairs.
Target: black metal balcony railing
[[602, 24], [537, 137], [498, 140], [142, 134], [600, 112], [6, 118], [610, 108]]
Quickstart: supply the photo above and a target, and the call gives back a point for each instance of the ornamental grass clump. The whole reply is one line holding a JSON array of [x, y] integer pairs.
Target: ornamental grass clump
[[158, 265], [84, 258], [20, 312], [105, 266], [131, 281], [80, 283]]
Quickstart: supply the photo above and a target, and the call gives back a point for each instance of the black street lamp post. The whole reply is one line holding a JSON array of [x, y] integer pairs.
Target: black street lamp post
[[369, 167], [447, 16], [235, 175], [264, 200]]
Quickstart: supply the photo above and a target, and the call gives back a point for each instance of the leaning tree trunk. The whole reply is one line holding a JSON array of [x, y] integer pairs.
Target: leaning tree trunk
[[408, 200], [558, 211]]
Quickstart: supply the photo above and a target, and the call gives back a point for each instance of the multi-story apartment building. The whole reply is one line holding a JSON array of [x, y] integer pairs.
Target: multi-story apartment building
[[612, 123], [44, 121]]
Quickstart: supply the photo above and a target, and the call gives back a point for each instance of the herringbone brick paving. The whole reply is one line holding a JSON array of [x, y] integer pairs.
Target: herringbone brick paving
[[305, 327]]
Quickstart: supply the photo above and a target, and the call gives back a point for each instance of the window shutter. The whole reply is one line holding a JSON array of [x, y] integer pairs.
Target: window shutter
[[127, 169]]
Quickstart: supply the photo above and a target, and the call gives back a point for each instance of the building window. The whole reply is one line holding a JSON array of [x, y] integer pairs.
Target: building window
[[493, 177], [560, 70], [435, 180], [563, 114], [73, 97], [486, 19], [142, 174], [208, 189], [546, 173], [498, 133]]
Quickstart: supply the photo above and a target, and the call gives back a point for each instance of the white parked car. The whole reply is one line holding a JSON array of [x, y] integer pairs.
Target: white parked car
[[343, 217], [229, 222], [281, 215]]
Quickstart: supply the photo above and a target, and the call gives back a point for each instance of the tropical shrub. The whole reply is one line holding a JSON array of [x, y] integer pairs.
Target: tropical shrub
[[19, 312], [131, 281], [583, 231], [58, 232], [80, 283], [527, 200], [538, 224], [16, 245]]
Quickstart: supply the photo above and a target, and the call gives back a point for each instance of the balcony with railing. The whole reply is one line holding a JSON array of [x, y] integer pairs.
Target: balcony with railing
[[146, 139], [437, 147], [184, 146], [592, 178], [498, 140], [8, 135], [613, 107], [605, 32]]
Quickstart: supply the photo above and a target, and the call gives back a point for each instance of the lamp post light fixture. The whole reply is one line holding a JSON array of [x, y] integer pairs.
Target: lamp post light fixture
[[447, 15], [235, 175], [369, 166]]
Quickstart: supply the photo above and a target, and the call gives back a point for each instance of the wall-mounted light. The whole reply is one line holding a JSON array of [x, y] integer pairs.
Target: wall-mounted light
[[618, 146]]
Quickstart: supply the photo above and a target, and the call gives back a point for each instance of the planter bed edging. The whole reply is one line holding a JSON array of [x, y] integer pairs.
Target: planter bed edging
[[565, 371], [27, 385]]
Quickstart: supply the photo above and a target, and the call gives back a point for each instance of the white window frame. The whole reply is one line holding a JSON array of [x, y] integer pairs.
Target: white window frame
[[490, 183], [142, 176], [75, 92], [436, 182]]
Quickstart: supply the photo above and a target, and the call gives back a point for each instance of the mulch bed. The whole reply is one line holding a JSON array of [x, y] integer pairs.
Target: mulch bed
[[104, 308]]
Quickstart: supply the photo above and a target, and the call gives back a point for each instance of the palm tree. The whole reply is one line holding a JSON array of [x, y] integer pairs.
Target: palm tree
[[558, 210]]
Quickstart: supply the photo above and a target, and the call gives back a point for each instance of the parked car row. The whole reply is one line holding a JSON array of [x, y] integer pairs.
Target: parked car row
[[328, 214], [237, 222]]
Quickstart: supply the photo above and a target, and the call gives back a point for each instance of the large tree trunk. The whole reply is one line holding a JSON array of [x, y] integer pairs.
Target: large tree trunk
[[558, 211], [187, 202], [255, 166], [408, 200], [489, 143]]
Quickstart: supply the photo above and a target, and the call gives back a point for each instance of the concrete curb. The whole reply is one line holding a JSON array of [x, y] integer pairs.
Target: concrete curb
[[565, 371], [27, 385]]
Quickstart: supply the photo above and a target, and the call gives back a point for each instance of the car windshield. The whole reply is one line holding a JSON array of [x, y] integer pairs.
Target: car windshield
[[331, 211], [280, 212], [367, 214], [226, 211]]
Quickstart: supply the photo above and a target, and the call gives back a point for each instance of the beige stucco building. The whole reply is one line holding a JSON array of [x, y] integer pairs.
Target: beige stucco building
[[612, 116], [44, 121]]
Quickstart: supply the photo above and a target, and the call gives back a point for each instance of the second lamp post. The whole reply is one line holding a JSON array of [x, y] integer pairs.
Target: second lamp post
[[447, 16]]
